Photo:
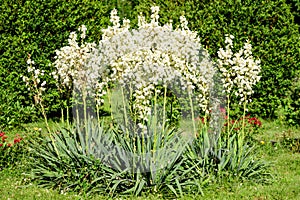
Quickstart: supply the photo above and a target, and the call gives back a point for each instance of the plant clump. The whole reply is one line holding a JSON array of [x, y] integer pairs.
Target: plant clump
[[138, 70]]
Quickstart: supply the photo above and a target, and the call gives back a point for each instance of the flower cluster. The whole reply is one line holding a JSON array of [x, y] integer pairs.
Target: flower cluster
[[4, 137], [252, 121], [149, 56], [70, 61], [239, 70], [116, 28], [33, 82]]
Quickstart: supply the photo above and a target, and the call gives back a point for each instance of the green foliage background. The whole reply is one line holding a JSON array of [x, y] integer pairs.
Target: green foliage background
[[40, 27]]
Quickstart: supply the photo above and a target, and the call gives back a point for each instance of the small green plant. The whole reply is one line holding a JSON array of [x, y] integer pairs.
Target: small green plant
[[220, 158], [11, 151], [291, 142]]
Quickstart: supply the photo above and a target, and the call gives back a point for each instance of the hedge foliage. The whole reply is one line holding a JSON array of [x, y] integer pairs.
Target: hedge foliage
[[39, 27]]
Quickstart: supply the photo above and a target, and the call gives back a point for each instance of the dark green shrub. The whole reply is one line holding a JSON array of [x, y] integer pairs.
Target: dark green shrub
[[295, 8], [292, 103], [12, 103], [38, 28]]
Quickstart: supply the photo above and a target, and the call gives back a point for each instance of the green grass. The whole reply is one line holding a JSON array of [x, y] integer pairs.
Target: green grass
[[285, 166], [286, 184]]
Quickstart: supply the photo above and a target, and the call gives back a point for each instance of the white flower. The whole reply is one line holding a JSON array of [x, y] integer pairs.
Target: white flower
[[36, 72], [32, 82], [83, 29], [70, 61], [30, 62], [152, 55], [43, 83], [30, 69]]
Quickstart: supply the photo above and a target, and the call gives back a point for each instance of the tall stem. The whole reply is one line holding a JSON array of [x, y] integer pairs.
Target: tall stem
[[164, 108], [68, 117], [155, 126], [48, 128], [192, 112], [109, 102], [62, 115], [125, 112], [228, 119], [243, 128], [155, 113], [84, 96], [98, 114]]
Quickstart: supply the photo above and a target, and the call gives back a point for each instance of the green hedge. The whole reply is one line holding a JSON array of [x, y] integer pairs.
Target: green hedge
[[40, 27], [295, 8]]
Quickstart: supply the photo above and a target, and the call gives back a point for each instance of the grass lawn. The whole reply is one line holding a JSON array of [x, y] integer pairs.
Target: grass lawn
[[285, 168]]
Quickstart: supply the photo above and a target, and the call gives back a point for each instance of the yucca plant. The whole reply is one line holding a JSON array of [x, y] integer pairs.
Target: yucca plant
[[70, 167], [221, 158], [111, 163], [153, 162]]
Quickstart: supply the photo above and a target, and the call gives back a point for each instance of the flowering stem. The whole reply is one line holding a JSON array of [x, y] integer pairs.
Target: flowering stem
[[228, 119], [164, 109], [193, 117], [125, 113], [68, 117], [85, 120], [243, 128], [77, 117], [155, 113], [48, 128], [62, 115], [155, 123], [98, 115], [109, 102]]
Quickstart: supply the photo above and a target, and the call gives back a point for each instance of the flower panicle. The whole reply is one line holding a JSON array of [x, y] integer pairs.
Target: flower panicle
[[240, 71]]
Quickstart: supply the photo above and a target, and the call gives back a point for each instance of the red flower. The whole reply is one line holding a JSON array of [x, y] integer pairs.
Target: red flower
[[258, 123], [2, 134], [1, 145], [254, 121], [17, 140], [9, 144]]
